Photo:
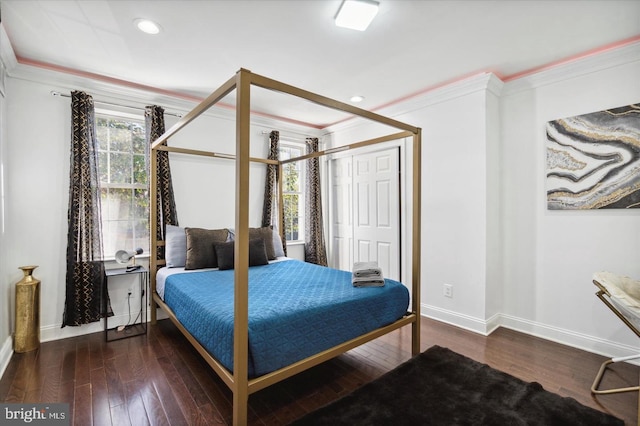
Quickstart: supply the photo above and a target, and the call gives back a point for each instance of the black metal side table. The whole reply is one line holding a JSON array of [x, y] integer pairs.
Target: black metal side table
[[137, 327]]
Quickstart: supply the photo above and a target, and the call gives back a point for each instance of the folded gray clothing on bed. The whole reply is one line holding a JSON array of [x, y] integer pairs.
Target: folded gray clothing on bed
[[367, 282], [366, 269]]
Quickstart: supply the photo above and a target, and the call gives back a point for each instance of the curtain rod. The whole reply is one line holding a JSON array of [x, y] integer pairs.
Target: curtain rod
[[54, 93]]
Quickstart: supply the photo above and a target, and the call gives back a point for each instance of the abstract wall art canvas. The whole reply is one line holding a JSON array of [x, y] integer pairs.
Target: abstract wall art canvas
[[593, 160]]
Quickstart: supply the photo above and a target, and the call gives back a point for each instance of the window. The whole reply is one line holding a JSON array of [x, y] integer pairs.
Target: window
[[124, 195], [293, 191]]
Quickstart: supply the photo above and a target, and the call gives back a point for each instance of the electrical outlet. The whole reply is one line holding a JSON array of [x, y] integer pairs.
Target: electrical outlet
[[447, 290], [130, 290]]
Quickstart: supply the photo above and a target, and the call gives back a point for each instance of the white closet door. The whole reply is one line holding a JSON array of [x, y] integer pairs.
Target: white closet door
[[376, 210], [341, 214]]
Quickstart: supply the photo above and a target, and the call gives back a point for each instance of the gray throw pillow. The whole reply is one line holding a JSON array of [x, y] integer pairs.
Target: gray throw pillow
[[200, 251], [265, 234], [268, 235], [225, 254]]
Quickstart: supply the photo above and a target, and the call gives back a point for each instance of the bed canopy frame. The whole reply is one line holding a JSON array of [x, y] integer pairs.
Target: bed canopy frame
[[238, 381]]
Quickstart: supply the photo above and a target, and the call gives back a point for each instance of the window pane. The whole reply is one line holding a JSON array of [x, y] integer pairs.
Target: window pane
[[293, 188], [139, 169], [141, 203], [120, 168], [122, 233], [119, 136], [104, 207], [291, 178], [102, 133], [142, 235], [120, 204], [291, 209], [108, 240], [122, 164], [285, 153], [138, 139], [103, 167]]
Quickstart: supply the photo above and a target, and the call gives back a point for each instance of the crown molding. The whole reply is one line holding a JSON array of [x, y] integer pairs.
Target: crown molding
[[7, 55], [139, 97], [589, 64], [495, 85], [484, 82], [444, 93], [107, 92]]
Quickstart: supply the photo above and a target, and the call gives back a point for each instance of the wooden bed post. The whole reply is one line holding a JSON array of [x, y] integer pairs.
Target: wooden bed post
[[241, 259], [415, 247], [238, 381]]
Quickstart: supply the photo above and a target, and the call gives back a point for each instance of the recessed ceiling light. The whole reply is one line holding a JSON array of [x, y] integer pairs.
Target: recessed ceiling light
[[147, 26], [357, 98], [356, 14]]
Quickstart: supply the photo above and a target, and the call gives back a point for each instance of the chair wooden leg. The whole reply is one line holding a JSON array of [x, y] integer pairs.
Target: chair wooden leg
[[599, 376]]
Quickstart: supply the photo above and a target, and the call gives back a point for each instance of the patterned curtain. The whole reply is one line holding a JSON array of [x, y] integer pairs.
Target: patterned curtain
[[167, 213], [314, 247], [85, 279], [270, 209]]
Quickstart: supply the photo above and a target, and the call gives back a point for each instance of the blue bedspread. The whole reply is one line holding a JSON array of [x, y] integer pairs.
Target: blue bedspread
[[296, 310]]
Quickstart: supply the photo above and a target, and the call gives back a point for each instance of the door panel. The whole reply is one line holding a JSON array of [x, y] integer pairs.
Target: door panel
[[383, 198], [384, 257], [374, 206], [363, 204], [363, 254], [342, 215]]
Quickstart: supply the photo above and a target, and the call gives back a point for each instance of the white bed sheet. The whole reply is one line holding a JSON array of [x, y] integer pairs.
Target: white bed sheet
[[164, 272]]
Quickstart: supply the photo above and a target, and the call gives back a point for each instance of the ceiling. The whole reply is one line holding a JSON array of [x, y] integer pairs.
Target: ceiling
[[411, 46]]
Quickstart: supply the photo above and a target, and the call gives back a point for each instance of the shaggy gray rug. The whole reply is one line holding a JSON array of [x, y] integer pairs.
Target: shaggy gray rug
[[441, 387]]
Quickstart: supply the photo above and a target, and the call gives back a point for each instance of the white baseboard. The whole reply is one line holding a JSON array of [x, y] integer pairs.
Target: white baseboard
[[569, 338], [54, 332], [565, 337], [467, 322], [5, 354]]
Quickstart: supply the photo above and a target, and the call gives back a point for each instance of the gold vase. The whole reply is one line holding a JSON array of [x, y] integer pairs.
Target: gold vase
[[27, 337]]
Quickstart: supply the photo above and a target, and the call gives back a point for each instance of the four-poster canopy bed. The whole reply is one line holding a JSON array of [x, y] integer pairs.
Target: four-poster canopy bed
[[239, 376]]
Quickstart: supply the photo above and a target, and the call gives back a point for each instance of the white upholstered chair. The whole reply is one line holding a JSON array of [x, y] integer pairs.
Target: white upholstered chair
[[622, 295]]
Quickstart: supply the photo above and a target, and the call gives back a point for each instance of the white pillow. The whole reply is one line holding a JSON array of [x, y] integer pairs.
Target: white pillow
[[175, 249], [277, 244]]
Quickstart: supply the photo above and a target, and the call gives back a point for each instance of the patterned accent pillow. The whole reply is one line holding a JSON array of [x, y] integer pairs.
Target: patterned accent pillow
[[200, 251], [225, 254]]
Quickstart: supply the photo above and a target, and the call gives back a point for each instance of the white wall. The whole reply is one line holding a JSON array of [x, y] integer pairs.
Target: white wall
[[550, 256], [486, 229], [37, 154], [5, 290], [457, 137], [36, 206], [494, 247], [454, 208]]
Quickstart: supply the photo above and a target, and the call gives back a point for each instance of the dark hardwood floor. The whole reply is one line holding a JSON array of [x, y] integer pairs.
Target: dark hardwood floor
[[159, 379]]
